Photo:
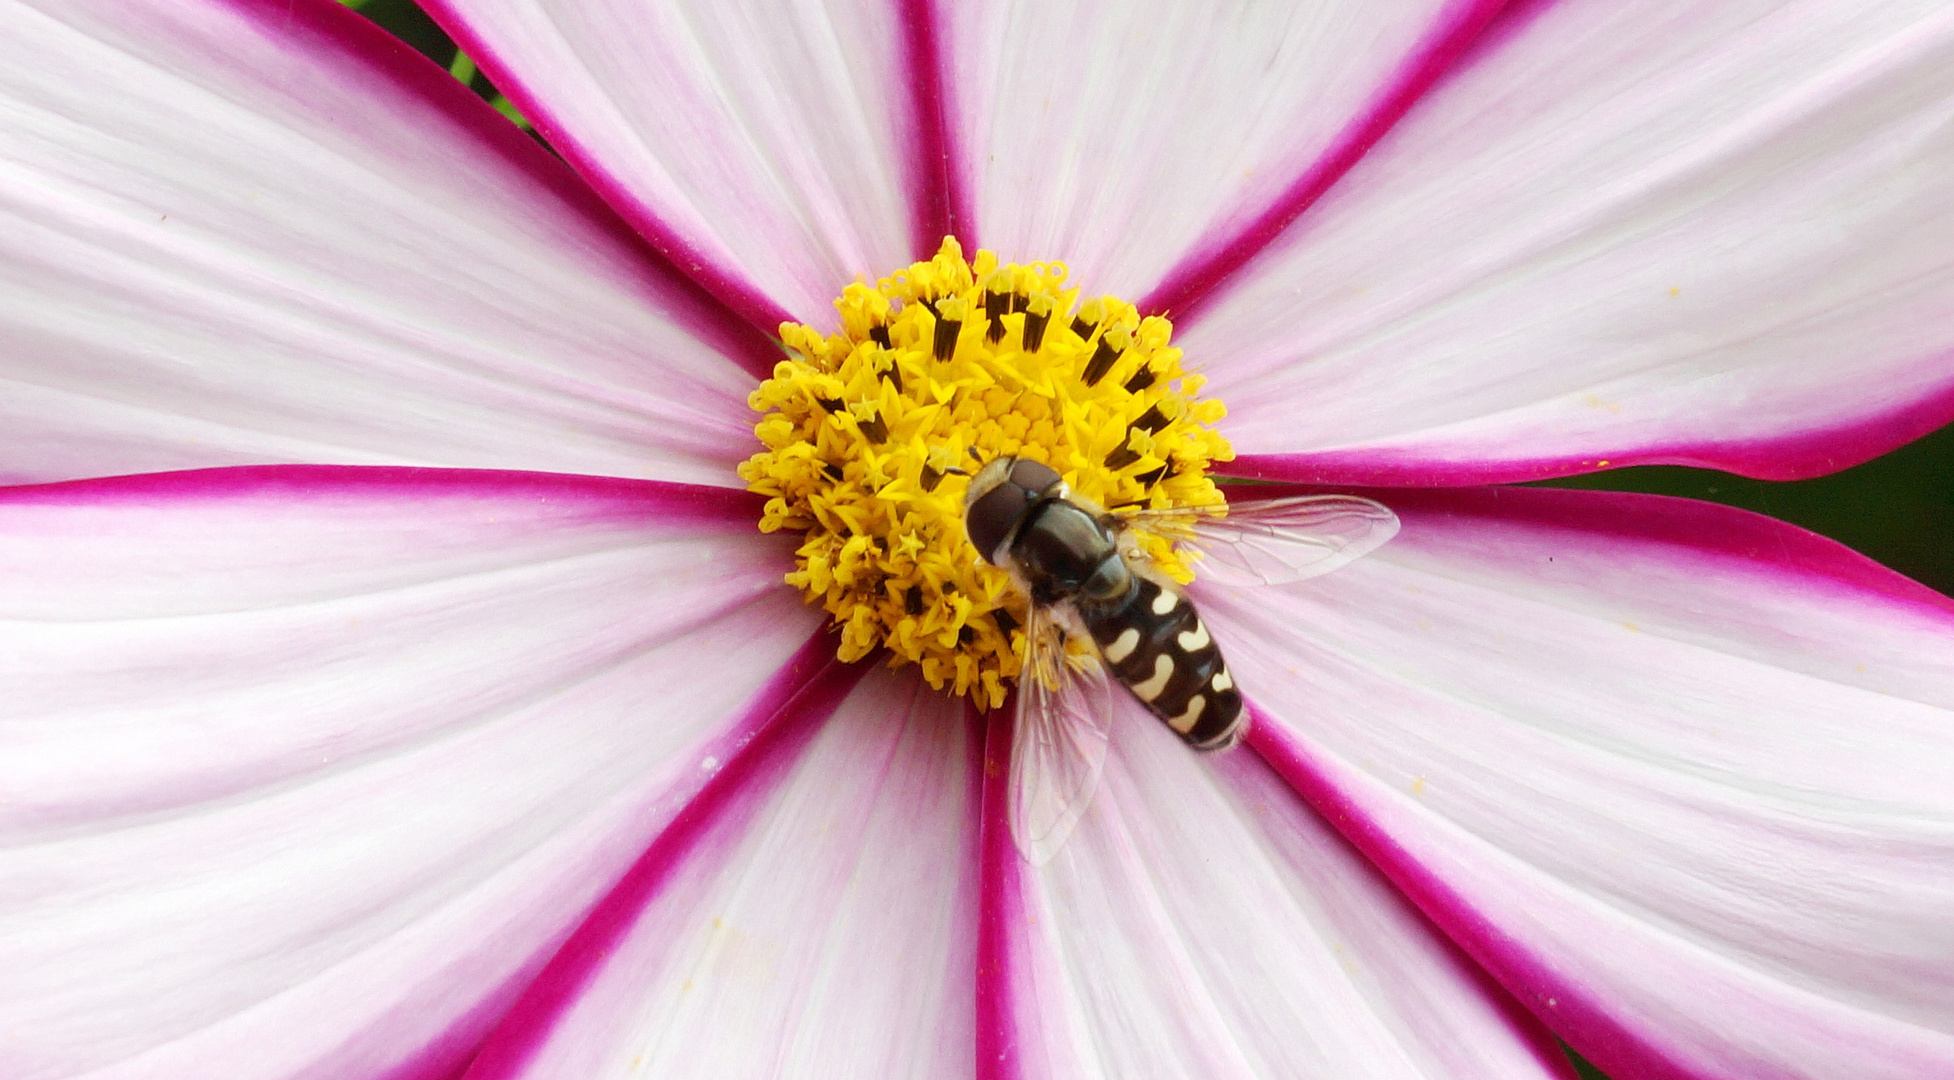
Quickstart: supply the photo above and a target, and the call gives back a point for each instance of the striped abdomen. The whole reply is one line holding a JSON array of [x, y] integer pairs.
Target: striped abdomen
[[1157, 645]]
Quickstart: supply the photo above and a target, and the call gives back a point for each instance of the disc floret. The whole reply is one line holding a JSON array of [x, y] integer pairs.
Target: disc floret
[[870, 434]]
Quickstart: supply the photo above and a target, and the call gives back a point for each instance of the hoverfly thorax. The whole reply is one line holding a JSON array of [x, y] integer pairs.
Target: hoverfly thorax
[[1020, 515]]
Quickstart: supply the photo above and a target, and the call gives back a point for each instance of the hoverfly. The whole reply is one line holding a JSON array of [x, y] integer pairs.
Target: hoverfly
[[1084, 578]]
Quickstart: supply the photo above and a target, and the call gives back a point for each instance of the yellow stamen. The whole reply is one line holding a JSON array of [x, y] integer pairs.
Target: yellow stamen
[[870, 433]]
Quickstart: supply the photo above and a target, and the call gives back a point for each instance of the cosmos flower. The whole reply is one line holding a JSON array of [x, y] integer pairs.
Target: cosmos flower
[[396, 682]]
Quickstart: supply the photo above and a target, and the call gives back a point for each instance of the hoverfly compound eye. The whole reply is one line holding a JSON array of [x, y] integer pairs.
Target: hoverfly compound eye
[[997, 502], [953, 364], [1033, 476], [993, 473]]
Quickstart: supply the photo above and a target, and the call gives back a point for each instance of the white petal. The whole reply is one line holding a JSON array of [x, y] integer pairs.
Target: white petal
[[1124, 140], [1675, 774], [1718, 234], [766, 147], [308, 771], [1203, 922], [236, 233], [820, 924]]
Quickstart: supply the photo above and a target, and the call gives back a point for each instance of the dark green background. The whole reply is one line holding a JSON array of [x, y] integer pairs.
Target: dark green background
[[1898, 509]]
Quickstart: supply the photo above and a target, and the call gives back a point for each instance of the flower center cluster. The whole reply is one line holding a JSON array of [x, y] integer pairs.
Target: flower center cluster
[[871, 433]]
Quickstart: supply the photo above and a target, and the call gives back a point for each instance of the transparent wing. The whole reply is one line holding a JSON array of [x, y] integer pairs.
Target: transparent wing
[[1058, 745], [1273, 541]]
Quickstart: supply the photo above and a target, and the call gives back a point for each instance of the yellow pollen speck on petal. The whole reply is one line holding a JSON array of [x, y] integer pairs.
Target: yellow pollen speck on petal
[[870, 436]]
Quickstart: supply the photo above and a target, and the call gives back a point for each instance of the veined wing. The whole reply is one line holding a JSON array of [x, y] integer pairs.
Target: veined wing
[[1058, 745], [1273, 541]]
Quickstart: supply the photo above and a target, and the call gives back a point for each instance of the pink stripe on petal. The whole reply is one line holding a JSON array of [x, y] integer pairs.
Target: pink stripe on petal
[[753, 753], [764, 148], [1122, 145], [939, 191], [1001, 912], [264, 232], [351, 529], [1798, 456], [1709, 529], [670, 501], [313, 768], [1623, 233], [407, 72], [1202, 922], [450, 1055], [1529, 980], [492, 1039], [1188, 287], [1673, 773], [820, 924], [708, 268]]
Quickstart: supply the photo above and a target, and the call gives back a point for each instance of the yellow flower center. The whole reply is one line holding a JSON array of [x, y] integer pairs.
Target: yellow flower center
[[871, 433]]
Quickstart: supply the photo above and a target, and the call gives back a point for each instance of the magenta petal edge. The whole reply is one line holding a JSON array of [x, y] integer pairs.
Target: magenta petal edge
[[1193, 284], [1791, 457], [757, 750], [748, 336], [672, 501], [938, 193], [1000, 917]]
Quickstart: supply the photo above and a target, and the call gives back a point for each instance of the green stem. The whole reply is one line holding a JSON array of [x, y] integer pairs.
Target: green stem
[[508, 108]]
